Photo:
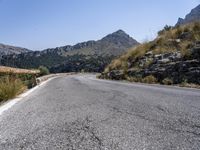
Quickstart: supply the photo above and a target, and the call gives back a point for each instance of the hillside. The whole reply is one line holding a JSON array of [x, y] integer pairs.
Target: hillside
[[90, 56], [172, 58], [7, 50], [193, 16]]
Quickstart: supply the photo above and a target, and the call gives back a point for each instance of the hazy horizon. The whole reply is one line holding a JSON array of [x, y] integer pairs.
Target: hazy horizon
[[38, 25]]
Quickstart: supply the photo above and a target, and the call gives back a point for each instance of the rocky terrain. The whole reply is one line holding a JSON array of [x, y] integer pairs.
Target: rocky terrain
[[193, 16], [90, 56], [172, 58], [7, 50]]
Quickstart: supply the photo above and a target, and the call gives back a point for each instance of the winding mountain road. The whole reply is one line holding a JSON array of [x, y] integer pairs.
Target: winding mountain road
[[79, 112]]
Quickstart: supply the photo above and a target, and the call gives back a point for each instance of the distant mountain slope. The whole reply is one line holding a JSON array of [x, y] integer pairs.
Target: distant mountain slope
[[88, 56], [113, 44], [7, 50], [193, 16]]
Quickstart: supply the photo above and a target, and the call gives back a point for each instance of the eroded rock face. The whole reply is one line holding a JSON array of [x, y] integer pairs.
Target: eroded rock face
[[168, 65], [196, 52], [177, 71], [171, 65]]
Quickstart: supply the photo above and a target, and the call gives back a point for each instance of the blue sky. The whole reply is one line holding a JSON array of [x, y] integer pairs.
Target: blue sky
[[40, 24]]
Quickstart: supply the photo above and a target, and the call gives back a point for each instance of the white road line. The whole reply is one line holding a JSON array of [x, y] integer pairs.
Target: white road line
[[12, 102]]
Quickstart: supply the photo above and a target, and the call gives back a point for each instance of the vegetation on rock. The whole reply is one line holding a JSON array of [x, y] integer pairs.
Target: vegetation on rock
[[43, 70], [172, 58]]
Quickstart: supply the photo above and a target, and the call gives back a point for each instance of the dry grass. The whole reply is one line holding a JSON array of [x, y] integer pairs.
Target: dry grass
[[167, 81], [138, 51], [134, 53], [4, 69], [9, 88], [185, 48], [149, 79]]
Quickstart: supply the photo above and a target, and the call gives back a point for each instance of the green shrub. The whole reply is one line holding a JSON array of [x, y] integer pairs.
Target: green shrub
[[167, 81], [9, 88], [149, 79], [27, 79], [184, 82], [186, 29], [43, 70], [166, 28]]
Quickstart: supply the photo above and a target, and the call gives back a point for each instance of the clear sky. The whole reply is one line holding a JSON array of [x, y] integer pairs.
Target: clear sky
[[40, 24]]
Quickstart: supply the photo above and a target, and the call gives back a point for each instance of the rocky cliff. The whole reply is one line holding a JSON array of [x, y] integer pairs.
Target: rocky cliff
[[7, 50], [193, 16]]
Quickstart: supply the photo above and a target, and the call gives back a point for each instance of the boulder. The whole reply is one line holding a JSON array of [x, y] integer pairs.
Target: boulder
[[116, 75]]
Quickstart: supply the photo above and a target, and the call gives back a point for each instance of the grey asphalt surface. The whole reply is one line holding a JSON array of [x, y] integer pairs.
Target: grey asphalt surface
[[79, 112]]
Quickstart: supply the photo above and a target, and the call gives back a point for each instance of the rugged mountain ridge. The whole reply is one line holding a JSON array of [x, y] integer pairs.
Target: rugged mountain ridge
[[7, 50], [87, 56], [193, 16]]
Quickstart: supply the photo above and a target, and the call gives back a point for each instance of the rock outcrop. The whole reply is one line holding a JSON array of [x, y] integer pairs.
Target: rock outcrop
[[8, 50], [166, 65]]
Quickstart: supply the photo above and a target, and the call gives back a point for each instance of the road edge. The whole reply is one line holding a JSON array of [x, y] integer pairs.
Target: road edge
[[10, 103]]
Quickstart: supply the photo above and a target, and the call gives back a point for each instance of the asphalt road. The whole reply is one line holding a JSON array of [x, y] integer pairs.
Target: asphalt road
[[80, 112]]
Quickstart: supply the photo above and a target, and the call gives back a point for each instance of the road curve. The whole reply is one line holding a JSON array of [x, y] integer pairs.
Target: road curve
[[79, 112]]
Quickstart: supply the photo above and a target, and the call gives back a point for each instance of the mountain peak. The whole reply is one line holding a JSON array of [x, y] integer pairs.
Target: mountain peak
[[120, 36], [120, 31], [193, 16]]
